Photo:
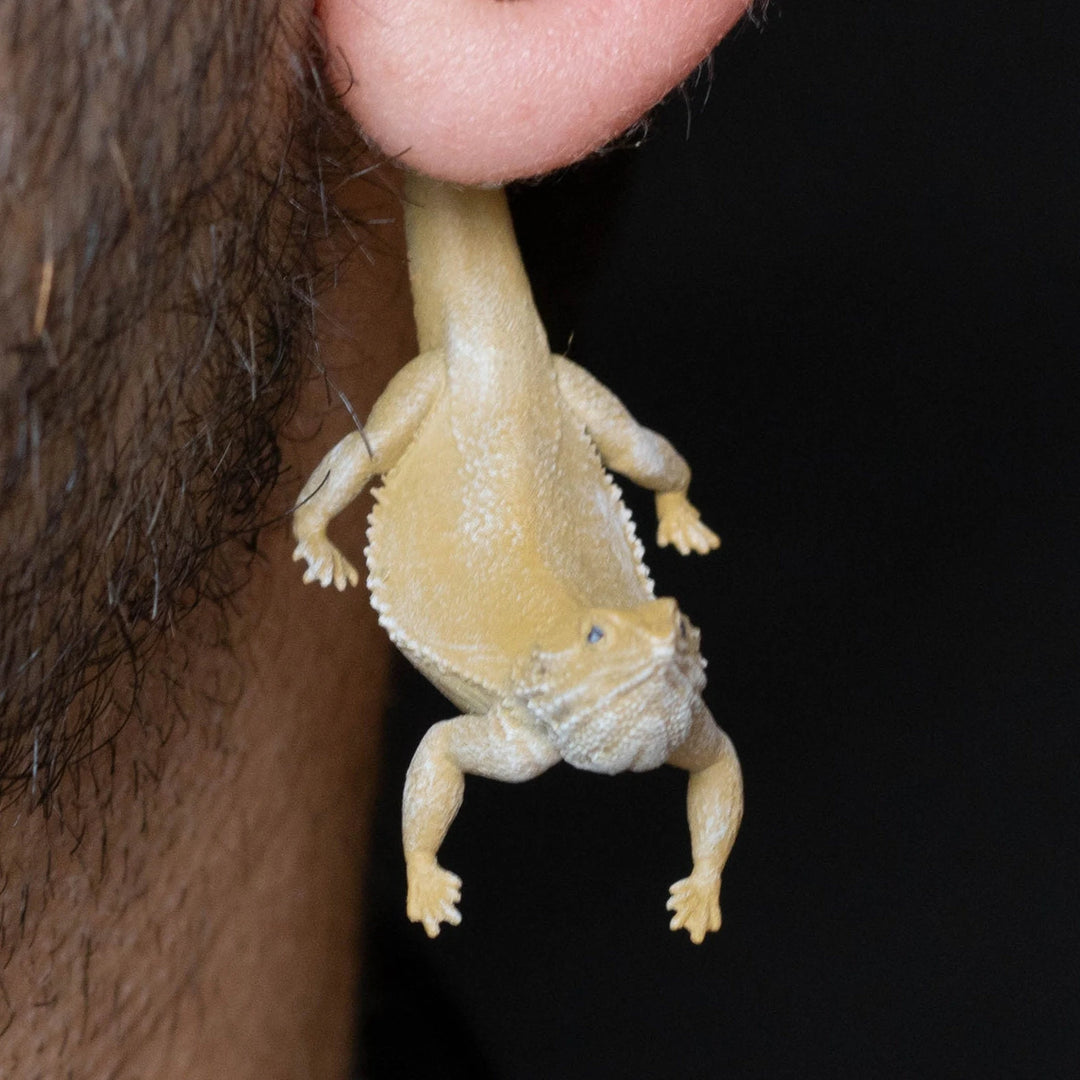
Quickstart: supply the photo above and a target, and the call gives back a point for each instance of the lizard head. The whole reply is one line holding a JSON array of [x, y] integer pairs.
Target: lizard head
[[615, 688]]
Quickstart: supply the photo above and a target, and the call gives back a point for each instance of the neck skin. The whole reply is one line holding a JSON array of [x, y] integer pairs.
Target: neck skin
[[196, 913]]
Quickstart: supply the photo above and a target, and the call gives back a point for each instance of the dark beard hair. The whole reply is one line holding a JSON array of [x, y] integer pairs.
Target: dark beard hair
[[164, 182]]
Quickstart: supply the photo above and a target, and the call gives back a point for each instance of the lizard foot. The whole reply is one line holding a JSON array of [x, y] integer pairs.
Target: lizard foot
[[696, 903], [681, 525], [325, 563], [434, 894]]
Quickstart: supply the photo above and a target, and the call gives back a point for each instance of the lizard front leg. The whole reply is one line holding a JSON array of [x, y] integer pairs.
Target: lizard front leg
[[498, 745], [638, 453], [714, 803], [346, 469]]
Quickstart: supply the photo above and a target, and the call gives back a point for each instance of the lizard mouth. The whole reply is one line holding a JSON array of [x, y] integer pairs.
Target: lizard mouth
[[626, 714]]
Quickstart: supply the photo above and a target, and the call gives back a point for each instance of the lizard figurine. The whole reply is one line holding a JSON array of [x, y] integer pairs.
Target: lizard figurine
[[504, 565]]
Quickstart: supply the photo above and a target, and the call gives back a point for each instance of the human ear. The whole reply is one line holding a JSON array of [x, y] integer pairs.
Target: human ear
[[482, 91]]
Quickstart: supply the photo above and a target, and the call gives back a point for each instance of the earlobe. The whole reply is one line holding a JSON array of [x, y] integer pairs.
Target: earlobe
[[482, 91]]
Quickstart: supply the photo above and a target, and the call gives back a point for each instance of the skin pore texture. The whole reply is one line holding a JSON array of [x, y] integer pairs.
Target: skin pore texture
[[196, 274], [477, 91]]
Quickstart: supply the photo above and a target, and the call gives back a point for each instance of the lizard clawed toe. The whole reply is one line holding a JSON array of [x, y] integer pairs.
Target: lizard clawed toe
[[433, 896], [681, 526], [326, 564], [695, 902]]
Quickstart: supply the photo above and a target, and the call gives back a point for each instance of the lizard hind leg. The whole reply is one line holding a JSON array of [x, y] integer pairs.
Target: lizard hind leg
[[499, 745], [641, 455]]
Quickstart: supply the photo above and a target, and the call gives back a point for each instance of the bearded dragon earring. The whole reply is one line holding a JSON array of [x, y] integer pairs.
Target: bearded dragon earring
[[504, 565]]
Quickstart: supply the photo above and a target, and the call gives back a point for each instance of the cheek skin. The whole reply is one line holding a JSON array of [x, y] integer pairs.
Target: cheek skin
[[191, 911], [482, 91]]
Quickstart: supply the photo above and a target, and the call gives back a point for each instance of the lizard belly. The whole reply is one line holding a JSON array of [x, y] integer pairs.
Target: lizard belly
[[487, 551], [449, 569], [588, 536]]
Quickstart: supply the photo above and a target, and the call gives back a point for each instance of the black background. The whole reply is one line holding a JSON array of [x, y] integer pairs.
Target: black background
[[850, 299]]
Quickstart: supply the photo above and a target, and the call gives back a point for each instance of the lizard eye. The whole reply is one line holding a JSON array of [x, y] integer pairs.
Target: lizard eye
[[682, 627], [594, 635]]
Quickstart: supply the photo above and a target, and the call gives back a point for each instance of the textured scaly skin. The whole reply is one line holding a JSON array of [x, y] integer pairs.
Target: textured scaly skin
[[504, 565]]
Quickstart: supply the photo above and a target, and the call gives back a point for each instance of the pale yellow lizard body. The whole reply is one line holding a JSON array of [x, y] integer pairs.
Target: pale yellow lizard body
[[504, 565]]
